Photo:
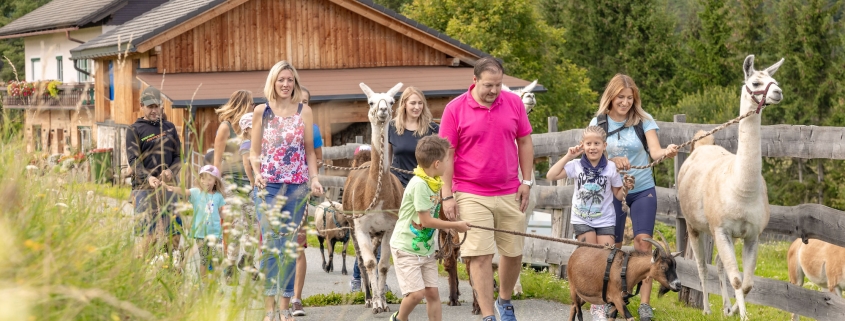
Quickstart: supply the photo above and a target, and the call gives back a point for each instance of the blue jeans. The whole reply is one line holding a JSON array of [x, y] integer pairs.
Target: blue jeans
[[280, 268], [152, 212], [356, 273]]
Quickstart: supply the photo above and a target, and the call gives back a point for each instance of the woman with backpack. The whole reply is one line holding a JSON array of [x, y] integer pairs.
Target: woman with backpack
[[632, 141]]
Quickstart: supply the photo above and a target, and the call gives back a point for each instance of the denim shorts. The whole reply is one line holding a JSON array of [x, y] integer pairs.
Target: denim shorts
[[584, 228], [278, 264], [153, 213]]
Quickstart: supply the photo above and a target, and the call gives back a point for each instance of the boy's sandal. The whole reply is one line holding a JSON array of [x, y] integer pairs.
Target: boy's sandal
[[286, 315], [272, 315]]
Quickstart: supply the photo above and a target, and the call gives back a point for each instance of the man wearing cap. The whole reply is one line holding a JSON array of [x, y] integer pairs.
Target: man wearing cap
[[153, 150]]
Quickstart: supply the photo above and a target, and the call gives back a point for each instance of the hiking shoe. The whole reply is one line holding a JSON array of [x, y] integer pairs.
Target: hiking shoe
[[394, 316], [598, 312], [646, 312], [489, 318], [505, 311], [355, 285], [298, 311]]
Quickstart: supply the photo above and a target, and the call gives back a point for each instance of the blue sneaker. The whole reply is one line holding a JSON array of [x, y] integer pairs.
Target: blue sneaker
[[505, 311]]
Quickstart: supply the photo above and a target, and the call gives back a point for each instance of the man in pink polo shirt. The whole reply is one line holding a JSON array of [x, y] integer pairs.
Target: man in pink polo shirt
[[482, 183]]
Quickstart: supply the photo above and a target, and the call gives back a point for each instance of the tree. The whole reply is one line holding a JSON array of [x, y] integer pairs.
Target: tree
[[531, 49], [395, 5], [707, 61], [633, 37]]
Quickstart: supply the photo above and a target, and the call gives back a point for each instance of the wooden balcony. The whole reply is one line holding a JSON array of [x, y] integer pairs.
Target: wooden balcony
[[69, 97]]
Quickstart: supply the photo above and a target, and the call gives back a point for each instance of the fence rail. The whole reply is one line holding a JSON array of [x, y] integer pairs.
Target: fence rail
[[777, 140]]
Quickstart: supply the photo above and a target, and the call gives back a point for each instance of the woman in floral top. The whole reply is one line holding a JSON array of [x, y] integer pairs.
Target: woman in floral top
[[284, 160]]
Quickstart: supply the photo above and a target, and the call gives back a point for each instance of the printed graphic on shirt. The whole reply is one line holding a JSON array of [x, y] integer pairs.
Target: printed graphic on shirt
[[626, 140], [423, 234], [590, 195]]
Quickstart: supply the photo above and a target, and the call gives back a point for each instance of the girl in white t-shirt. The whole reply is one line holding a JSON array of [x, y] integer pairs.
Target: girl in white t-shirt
[[596, 182]]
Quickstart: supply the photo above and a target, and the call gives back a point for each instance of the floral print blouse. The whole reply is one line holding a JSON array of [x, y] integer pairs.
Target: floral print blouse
[[283, 148]]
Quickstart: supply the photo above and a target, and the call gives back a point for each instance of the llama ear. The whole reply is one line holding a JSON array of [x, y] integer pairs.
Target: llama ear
[[748, 66], [530, 87], [367, 90], [774, 68], [392, 92], [506, 88]]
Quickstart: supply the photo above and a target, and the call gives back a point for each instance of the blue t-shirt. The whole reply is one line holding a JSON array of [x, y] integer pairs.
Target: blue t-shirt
[[206, 213], [318, 139], [626, 143]]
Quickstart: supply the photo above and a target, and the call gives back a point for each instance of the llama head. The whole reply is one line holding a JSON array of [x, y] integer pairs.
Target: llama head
[[757, 81], [528, 99], [380, 103]]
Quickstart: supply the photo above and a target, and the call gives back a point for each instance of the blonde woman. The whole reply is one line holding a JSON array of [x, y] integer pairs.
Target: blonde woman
[[226, 140], [412, 122], [632, 141], [283, 160]]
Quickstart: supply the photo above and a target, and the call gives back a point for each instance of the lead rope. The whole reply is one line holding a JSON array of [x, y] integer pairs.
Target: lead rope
[[626, 176]]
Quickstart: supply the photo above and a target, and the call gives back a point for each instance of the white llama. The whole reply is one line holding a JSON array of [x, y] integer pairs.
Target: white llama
[[724, 195]]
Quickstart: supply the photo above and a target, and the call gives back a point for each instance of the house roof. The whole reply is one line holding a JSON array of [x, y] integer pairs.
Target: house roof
[[214, 89], [132, 9], [59, 14], [143, 27], [176, 12]]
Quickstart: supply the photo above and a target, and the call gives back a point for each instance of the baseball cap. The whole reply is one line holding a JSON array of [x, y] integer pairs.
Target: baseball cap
[[150, 96], [246, 121]]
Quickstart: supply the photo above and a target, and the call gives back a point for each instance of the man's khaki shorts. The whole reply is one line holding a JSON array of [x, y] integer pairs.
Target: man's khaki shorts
[[414, 273], [501, 212]]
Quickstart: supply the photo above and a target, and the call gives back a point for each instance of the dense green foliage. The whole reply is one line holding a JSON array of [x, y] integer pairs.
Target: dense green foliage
[[685, 56]]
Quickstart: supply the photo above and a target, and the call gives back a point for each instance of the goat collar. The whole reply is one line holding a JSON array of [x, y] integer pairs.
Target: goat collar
[[762, 102]]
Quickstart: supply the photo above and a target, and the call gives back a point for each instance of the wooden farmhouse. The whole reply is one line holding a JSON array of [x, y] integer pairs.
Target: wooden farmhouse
[[62, 122], [198, 52]]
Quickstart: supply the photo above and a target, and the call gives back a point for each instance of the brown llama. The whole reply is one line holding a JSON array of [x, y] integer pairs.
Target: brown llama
[[379, 193]]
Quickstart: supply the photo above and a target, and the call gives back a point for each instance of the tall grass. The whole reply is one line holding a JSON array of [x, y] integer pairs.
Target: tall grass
[[64, 256]]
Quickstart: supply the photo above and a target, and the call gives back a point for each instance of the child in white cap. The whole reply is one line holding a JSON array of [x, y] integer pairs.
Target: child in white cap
[[207, 200]]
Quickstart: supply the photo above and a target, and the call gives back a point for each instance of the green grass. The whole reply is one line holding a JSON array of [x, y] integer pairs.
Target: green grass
[[116, 192]]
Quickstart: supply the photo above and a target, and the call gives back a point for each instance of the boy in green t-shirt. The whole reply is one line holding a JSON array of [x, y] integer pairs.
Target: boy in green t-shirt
[[412, 242]]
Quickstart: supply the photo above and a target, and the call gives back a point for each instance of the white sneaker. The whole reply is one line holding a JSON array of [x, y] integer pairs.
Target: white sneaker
[[598, 312]]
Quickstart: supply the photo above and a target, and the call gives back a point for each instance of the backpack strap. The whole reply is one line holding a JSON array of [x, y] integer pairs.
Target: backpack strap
[[638, 128], [299, 108], [601, 121], [268, 113]]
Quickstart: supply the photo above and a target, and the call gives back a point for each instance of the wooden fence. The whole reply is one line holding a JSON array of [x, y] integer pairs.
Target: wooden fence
[[802, 221]]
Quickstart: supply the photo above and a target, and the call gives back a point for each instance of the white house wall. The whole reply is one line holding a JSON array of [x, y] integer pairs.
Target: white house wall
[[47, 47]]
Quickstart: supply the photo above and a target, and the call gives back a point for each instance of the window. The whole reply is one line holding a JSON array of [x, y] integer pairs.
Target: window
[[36, 69], [59, 66], [36, 137], [83, 65], [84, 138]]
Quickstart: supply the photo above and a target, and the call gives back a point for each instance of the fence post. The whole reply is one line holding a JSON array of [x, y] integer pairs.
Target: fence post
[[359, 139], [690, 297], [559, 221]]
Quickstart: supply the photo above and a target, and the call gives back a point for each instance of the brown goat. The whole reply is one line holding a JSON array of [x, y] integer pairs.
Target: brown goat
[[823, 264], [586, 274]]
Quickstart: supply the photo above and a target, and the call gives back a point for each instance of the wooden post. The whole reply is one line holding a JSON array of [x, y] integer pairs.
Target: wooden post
[[359, 139], [690, 297], [559, 219]]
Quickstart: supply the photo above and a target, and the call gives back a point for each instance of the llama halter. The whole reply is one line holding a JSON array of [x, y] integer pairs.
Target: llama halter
[[762, 101]]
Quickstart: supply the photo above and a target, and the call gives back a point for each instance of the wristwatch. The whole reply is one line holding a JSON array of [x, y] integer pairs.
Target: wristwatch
[[529, 183]]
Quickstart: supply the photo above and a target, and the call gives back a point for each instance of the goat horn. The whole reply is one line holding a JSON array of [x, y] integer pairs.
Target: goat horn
[[652, 241], [665, 243]]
